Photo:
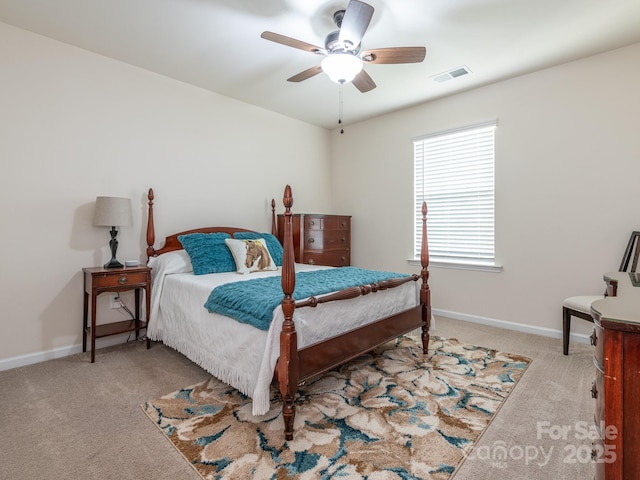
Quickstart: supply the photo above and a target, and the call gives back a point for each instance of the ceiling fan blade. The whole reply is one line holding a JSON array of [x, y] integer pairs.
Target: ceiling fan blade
[[292, 42], [355, 22], [394, 55], [308, 73], [363, 82]]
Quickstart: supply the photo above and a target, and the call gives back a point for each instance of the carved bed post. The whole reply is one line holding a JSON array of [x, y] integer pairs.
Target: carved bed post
[[425, 293], [287, 366], [151, 234], [274, 225]]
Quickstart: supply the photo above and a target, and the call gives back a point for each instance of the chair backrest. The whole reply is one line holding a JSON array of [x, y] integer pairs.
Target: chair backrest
[[631, 254]]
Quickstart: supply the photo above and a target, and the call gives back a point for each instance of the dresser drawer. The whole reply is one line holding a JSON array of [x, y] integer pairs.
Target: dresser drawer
[[597, 339], [120, 280], [320, 222], [599, 458], [597, 393], [325, 239], [334, 258], [312, 223]]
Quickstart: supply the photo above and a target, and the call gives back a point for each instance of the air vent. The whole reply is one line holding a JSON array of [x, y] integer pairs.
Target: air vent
[[451, 74]]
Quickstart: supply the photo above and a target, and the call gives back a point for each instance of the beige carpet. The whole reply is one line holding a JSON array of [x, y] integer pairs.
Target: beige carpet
[[69, 419], [391, 414]]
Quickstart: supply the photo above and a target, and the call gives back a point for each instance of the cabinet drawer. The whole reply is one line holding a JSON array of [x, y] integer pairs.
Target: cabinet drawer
[[120, 280], [597, 393], [597, 339], [335, 258], [599, 458], [325, 239], [312, 223], [335, 223], [326, 222]]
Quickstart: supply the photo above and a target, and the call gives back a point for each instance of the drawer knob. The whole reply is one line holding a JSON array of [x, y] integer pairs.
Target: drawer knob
[[122, 280], [311, 262], [311, 240], [343, 239], [343, 258], [594, 390], [593, 338], [344, 224], [312, 223]]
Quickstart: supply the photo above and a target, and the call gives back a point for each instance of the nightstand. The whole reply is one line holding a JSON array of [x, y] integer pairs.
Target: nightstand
[[98, 280]]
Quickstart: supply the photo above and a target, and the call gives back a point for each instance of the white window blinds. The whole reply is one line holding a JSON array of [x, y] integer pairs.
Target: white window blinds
[[454, 174]]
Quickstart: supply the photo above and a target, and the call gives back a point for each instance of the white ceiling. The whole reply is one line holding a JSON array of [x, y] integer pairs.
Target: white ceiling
[[216, 44]]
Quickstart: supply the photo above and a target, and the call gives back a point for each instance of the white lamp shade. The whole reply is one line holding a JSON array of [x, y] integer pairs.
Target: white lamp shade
[[113, 212], [341, 67]]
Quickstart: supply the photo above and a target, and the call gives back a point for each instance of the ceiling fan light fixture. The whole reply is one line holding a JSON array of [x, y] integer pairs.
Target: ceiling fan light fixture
[[341, 67]]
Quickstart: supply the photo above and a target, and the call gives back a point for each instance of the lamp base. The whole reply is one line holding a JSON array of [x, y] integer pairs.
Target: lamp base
[[113, 263], [113, 244]]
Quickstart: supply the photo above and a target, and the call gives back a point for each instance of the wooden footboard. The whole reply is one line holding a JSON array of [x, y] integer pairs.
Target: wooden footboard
[[295, 365]]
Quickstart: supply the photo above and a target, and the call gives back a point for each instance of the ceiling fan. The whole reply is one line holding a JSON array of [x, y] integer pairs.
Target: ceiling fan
[[343, 60]]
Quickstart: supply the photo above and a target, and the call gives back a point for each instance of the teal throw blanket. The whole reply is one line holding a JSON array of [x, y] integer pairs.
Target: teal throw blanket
[[253, 301]]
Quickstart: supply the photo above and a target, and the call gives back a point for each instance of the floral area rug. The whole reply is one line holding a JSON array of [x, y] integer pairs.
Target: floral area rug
[[391, 414]]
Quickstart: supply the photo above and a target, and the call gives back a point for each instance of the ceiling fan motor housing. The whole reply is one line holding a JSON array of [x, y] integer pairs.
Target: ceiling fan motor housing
[[332, 44]]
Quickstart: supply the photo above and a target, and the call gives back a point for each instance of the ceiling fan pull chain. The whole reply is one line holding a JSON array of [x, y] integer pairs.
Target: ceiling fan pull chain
[[340, 107]]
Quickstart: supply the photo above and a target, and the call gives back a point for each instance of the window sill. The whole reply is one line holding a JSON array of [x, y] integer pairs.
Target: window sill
[[480, 267]]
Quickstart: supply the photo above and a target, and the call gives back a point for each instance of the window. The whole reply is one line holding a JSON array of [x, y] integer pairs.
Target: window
[[454, 174]]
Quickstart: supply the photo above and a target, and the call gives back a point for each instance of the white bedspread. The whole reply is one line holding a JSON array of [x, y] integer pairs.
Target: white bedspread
[[239, 354]]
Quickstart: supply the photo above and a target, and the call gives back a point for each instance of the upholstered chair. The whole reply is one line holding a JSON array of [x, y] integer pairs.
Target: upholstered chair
[[580, 306]]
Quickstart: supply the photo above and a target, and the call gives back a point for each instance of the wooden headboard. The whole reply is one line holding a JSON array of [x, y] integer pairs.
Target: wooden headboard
[[172, 243]]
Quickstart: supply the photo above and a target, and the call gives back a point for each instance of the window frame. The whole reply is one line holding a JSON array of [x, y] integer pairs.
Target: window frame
[[470, 150]]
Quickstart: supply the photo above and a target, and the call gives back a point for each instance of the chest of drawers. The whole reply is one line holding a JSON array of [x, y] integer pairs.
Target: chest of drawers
[[616, 386], [320, 239]]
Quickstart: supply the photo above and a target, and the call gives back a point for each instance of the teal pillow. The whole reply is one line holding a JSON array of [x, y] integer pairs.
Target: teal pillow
[[273, 244], [208, 252]]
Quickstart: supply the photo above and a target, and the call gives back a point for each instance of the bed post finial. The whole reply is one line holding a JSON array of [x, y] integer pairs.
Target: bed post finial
[[288, 198], [274, 225], [151, 234], [425, 293], [287, 366]]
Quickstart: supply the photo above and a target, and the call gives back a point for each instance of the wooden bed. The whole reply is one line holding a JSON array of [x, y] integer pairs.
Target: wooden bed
[[296, 365]]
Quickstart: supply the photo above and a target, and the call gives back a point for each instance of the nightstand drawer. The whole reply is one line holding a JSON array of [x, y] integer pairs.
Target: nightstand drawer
[[120, 280]]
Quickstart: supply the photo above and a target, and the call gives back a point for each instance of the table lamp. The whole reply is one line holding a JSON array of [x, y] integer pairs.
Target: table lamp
[[113, 212]]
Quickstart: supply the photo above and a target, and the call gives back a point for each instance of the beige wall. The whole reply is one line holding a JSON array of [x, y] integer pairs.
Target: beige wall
[[74, 125], [567, 171]]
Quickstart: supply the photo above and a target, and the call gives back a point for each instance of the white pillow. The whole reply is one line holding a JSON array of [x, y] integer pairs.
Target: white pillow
[[251, 255], [177, 261]]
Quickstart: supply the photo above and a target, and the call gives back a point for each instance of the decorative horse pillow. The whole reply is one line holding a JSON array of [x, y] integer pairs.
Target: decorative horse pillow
[[251, 255]]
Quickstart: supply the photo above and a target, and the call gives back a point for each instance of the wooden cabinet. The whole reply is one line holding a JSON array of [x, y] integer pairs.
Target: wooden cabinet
[[98, 280], [616, 386], [320, 239]]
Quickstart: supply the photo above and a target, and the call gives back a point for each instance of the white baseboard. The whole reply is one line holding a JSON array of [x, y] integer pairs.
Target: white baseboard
[[31, 358], [519, 327]]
